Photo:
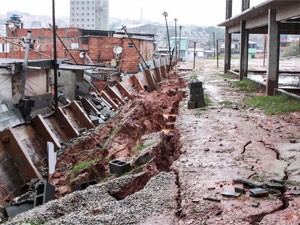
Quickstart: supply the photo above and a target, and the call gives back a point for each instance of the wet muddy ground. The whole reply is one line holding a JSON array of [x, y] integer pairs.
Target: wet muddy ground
[[223, 143], [195, 158]]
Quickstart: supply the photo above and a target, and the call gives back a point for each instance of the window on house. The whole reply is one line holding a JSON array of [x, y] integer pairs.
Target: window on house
[[130, 45], [4, 47]]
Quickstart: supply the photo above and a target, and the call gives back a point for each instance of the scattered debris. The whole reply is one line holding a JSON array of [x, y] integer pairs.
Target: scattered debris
[[248, 182], [239, 190], [119, 167], [196, 95], [231, 194], [255, 204], [258, 192], [212, 198]]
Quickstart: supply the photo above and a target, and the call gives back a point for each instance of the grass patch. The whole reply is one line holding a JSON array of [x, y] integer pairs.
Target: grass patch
[[207, 99], [292, 183], [142, 146], [115, 131], [32, 223], [227, 75], [200, 111], [273, 105], [226, 103], [195, 211], [260, 177], [83, 165], [193, 76], [247, 85]]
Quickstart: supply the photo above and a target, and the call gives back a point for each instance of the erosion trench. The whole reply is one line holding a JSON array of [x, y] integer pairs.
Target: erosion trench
[[186, 165], [143, 134]]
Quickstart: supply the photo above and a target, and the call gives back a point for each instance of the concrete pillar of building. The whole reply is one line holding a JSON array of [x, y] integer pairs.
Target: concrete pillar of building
[[227, 56], [245, 4], [244, 50], [228, 37], [228, 9], [273, 53]]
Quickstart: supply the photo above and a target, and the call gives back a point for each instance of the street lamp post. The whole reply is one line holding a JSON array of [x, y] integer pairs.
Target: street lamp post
[[175, 46], [54, 55]]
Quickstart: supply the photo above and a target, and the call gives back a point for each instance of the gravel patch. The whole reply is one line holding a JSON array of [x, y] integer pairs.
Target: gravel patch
[[96, 206]]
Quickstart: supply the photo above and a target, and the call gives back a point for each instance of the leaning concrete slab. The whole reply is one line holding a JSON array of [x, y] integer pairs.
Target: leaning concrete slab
[[63, 120], [19, 155], [45, 132], [82, 119]]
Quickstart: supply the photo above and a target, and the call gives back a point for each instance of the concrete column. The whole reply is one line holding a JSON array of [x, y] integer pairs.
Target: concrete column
[[244, 51], [228, 9], [227, 56], [245, 5], [273, 53]]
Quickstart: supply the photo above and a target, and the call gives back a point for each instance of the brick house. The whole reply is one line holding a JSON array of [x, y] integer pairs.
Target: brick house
[[86, 46]]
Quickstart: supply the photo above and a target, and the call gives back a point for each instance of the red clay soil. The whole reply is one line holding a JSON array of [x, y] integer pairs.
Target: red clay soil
[[118, 138]]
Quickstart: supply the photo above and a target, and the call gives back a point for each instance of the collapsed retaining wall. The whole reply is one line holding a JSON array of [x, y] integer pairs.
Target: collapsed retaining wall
[[23, 149]]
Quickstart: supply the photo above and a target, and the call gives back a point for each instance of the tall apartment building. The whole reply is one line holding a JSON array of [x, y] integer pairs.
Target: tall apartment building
[[89, 14]]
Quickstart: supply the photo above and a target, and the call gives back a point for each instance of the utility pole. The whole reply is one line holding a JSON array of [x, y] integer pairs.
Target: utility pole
[[176, 38], [125, 30], [66, 48], [217, 53], [165, 14], [194, 55], [214, 40], [299, 47], [54, 56], [180, 27], [25, 64]]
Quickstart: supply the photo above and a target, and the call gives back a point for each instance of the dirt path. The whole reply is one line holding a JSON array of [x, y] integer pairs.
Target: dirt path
[[221, 144]]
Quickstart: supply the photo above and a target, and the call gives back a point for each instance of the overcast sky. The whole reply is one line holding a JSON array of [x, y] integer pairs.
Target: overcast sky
[[198, 12]]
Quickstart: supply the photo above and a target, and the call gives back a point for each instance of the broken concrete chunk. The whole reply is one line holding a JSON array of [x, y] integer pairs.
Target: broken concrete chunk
[[239, 190], [119, 167], [275, 180], [258, 192], [248, 182], [277, 186], [143, 159], [255, 204], [211, 188], [231, 194], [196, 200], [212, 198]]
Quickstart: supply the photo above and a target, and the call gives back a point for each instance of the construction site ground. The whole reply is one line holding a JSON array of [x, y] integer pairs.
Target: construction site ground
[[196, 163]]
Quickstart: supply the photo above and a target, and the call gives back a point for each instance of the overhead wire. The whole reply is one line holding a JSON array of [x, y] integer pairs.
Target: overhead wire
[[13, 43]]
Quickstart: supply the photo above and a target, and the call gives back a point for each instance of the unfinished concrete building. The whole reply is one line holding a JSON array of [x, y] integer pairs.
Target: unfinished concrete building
[[273, 17]]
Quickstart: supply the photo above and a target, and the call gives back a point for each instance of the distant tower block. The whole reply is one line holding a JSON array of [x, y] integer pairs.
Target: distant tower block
[[89, 14]]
